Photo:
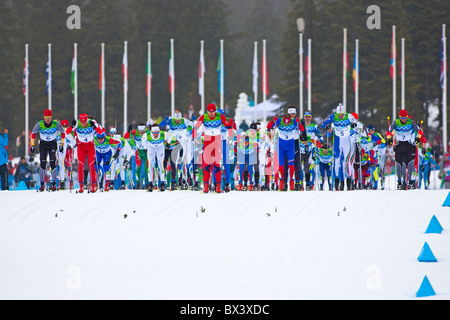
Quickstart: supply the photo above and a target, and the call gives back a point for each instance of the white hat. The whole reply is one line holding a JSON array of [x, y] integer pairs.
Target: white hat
[[340, 109], [292, 110]]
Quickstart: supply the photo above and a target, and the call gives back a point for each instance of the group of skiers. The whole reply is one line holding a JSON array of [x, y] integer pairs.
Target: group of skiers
[[288, 153]]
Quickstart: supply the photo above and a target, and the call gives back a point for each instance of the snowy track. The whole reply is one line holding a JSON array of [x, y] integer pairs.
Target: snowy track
[[245, 245]]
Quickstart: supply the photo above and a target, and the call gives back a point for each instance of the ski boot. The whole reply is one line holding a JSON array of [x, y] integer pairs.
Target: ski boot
[[281, 185], [411, 185], [292, 185], [111, 185], [106, 186], [162, 187], [250, 187], [218, 188], [336, 184], [206, 188], [93, 187], [227, 188], [341, 185], [308, 187], [150, 187], [42, 188], [52, 186], [61, 185], [240, 187], [81, 188], [173, 185]]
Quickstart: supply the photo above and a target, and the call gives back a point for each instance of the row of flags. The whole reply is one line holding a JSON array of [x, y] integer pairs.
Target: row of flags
[[221, 71]]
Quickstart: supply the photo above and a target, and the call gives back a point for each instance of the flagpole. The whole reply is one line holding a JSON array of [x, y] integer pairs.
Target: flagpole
[[103, 85], [172, 79], [125, 87], [255, 78], [300, 82], [444, 90], [26, 101], [403, 74], [309, 75], [49, 76], [264, 90], [75, 95], [149, 92], [394, 75], [357, 76], [221, 74], [344, 70], [202, 79]]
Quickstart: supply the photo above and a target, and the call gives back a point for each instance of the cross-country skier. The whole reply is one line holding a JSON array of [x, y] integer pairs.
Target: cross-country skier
[[48, 130], [84, 131], [212, 145]]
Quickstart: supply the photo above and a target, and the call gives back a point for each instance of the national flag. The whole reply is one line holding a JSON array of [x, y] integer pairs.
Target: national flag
[[74, 68], [307, 70], [125, 71], [346, 65], [442, 58], [25, 74], [171, 72], [300, 53], [201, 73], [101, 82], [148, 71], [355, 73], [393, 56], [265, 86], [255, 72], [221, 72], [48, 72]]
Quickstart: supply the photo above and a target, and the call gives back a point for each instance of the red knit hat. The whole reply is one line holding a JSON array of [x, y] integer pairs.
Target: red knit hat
[[83, 117], [47, 113], [403, 113], [211, 107], [65, 123]]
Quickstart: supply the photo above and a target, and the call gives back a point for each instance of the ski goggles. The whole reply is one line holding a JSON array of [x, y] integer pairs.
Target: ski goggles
[[307, 114]]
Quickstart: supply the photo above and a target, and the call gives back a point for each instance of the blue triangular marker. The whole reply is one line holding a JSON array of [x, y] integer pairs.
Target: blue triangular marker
[[22, 186], [434, 226], [447, 201], [425, 289], [426, 255]]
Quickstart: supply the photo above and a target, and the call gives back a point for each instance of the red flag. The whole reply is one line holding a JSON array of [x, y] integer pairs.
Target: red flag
[[393, 56]]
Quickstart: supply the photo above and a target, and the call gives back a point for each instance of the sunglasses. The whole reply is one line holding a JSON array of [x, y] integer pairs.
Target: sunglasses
[[403, 118]]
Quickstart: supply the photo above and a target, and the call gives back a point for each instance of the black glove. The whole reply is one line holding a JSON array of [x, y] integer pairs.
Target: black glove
[[328, 126], [61, 148], [116, 155], [126, 164], [417, 140], [32, 149], [353, 125], [389, 141], [74, 123], [92, 123]]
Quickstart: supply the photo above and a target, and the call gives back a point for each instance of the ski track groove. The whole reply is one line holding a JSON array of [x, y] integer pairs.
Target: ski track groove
[[180, 203], [30, 210]]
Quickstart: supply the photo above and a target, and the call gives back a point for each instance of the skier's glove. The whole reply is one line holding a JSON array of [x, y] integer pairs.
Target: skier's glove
[[389, 141], [126, 164], [32, 149], [74, 123], [61, 148]]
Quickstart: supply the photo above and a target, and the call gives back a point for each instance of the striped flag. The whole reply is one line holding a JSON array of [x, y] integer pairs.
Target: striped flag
[[355, 72], [201, 73], [442, 58], [125, 71], [48, 72], [393, 56], [74, 68], [307, 69], [255, 72], [265, 77], [101, 82], [171, 72], [25, 74], [220, 71], [148, 71]]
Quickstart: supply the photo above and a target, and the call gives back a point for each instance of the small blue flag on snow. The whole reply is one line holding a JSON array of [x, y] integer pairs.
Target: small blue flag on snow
[[426, 255], [425, 289], [447, 201], [434, 226]]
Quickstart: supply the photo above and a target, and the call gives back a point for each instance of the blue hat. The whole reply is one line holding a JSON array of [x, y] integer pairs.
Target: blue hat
[[100, 135]]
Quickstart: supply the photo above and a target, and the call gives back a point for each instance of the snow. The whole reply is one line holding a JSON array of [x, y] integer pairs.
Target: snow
[[245, 245]]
